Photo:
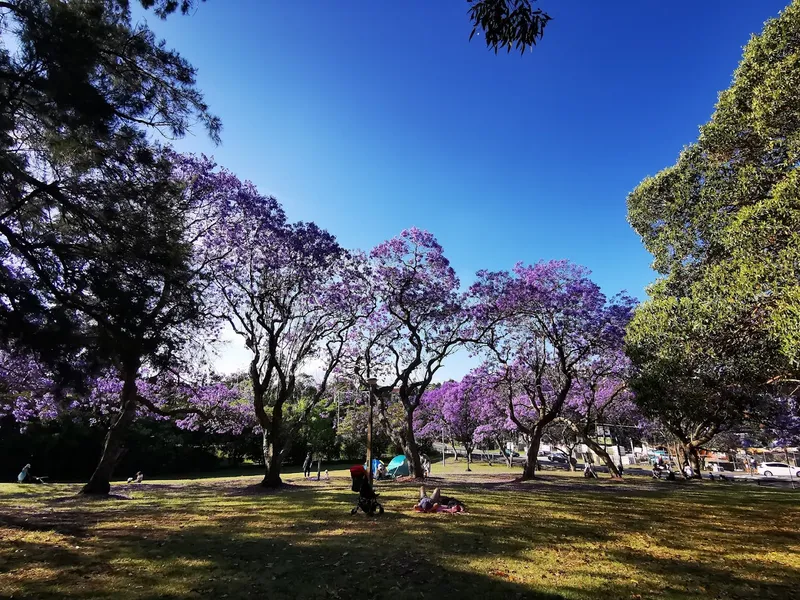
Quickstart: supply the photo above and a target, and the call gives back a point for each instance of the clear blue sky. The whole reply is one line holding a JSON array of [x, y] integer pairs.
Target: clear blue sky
[[369, 117]]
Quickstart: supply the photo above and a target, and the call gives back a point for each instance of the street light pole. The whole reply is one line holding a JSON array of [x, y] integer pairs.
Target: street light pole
[[444, 450], [337, 395], [791, 468], [372, 382]]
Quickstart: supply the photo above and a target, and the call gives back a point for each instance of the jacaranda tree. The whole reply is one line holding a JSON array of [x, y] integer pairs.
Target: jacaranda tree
[[96, 259], [289, 291], [600, 396], [456, 410], [551, 322], [416, 320]]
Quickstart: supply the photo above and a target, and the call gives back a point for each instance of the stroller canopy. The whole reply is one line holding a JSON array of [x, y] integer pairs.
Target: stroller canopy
[[398, 467]]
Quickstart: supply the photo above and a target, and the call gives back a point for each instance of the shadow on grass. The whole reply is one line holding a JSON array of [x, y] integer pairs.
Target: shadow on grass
[[703, 576], [544, 541], [302, 564]]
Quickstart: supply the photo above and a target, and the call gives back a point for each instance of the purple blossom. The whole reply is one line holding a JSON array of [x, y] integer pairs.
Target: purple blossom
[[549, 326]]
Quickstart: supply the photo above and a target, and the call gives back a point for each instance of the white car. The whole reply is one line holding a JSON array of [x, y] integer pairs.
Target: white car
[[772, 469]]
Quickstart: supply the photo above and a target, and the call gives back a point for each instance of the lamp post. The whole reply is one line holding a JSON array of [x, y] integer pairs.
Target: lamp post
[[372, 382]]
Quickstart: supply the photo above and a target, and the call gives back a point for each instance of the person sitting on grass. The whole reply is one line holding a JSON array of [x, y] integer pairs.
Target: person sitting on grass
[[137, 478], [437, 502], [426, 467]]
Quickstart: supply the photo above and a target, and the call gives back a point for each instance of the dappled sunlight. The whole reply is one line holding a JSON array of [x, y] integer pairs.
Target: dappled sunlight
[[545, 537]]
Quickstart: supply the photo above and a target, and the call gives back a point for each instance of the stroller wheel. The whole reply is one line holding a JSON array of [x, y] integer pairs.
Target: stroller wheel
[[353, 510]]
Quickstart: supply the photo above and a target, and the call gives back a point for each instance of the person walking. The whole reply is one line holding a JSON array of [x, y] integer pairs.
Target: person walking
[[307, 466], [426, 467]]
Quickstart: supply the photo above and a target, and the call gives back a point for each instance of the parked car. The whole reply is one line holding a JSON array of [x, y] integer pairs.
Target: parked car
[[554, 459], [772, 469]]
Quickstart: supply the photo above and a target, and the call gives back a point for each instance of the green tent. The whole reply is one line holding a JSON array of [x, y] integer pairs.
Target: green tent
[[398, 467]]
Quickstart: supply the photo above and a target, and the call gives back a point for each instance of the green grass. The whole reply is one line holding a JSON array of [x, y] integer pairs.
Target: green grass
[[559, 537]]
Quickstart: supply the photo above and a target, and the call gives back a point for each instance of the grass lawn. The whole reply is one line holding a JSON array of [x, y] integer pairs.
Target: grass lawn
[[559, 537]]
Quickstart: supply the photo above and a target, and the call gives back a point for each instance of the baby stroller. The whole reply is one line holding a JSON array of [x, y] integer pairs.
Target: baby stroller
[[367, 498]]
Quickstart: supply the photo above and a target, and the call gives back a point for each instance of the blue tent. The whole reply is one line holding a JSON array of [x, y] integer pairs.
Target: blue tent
[[398, 467]]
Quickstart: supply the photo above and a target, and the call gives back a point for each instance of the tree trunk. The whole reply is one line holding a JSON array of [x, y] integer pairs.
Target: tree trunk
[[507, 457], [272, 461], [601, 452], [455, 452], [469, 457], [680, 454], [571, 457], [272, 446], [114, 446], [694, 458], [529, 471], [573, 462], [411, 449]]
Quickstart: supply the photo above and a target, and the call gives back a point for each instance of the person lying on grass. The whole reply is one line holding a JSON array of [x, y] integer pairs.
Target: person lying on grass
[[437, 502]]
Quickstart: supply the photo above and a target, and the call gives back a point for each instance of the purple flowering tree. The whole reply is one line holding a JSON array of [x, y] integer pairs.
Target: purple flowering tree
[[457, 409], [551, 321], [416, 320], [288, 290], [27, 389], [600, 396], [208, 406], [495, 427], [29, 392]]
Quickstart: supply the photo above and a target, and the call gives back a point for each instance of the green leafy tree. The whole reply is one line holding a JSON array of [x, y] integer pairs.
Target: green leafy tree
[[721, 326], [319, 433], [80, 85], [135, 278], [95, 244], [505, 24], [509, 24], [388, 421]]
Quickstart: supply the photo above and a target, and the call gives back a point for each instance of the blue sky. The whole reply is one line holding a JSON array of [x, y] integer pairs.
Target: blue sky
[[370, 117]]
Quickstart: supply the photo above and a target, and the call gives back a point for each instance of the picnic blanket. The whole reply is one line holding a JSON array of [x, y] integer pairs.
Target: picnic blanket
[[456, 508]]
